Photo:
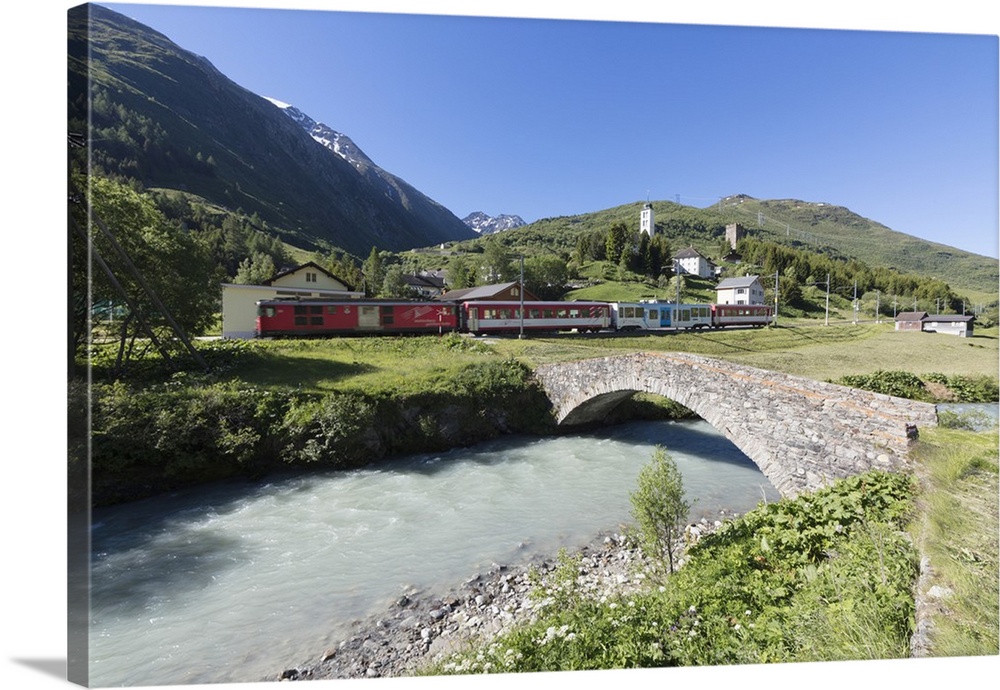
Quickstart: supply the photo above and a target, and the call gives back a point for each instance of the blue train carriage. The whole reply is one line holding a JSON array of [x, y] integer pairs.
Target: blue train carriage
[[688, 316], [635, 316], [655, 315]]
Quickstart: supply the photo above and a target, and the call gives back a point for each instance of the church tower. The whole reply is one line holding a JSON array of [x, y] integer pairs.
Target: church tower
[[646, 222]]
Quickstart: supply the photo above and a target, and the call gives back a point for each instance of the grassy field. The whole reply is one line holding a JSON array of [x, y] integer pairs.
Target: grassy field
[[814, 351]]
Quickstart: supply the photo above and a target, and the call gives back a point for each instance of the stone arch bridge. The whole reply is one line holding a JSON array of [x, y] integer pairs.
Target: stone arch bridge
[[801, 433]]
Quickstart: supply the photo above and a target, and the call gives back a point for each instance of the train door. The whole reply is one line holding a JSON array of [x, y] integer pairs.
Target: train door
[[666, 316], [472, 318], [368, 317]]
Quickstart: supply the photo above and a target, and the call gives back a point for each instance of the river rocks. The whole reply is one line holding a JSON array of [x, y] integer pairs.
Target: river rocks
[[420, 627]]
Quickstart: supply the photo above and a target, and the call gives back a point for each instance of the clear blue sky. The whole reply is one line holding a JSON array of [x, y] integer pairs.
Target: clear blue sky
[[549, 117]]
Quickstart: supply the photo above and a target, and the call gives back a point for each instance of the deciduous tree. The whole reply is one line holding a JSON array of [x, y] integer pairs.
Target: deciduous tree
[[659, 507]]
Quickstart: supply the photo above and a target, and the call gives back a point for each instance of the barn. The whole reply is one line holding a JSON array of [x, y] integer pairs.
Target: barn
[[309, 280], [952, 324], [910, 320]]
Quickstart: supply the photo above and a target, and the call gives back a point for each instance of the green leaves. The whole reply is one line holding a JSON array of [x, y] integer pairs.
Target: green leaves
[[825, 576], [659, 507]]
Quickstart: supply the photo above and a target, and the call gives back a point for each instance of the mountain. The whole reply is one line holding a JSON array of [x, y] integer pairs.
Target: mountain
[[811, 226], [488, 225], [168, 118], [827, 227]]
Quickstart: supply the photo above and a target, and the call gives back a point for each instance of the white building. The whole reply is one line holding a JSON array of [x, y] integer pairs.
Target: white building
[[952, 324], [647, 223], [744, 290], [693, 262], [239, 302]]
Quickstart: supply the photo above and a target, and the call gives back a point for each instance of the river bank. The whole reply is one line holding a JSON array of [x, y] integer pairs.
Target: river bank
[[422, 628]]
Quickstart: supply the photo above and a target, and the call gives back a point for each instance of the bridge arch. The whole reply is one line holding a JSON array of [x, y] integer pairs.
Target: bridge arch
[[801, 433]]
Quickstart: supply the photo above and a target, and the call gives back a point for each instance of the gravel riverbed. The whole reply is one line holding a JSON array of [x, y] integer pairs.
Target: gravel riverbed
[[421, 627]]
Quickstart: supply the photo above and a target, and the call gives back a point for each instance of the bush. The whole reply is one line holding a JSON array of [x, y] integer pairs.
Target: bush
[[969, 389], [659, 508], [828, 575], [337, 429], [900, 384]]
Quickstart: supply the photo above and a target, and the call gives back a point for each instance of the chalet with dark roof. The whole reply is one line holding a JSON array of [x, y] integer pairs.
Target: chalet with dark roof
[[503, 292], [952, 324]]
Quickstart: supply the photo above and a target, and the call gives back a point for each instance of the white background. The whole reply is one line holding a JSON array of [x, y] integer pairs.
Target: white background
[[33, 417]]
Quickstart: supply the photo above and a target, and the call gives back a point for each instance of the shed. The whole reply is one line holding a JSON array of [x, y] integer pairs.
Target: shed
[[910, 320]]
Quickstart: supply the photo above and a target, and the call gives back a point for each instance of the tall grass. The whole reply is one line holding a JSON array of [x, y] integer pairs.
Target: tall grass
[[958, 533]]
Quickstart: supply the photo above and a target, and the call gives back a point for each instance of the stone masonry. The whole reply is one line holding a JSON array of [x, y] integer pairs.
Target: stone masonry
[[801, 433]]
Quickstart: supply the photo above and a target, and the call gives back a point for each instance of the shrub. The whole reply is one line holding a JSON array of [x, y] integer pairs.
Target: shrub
[[659, 508], [900, 384]]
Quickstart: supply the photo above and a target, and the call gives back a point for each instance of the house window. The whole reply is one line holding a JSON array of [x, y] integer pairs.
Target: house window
[[310, 277]]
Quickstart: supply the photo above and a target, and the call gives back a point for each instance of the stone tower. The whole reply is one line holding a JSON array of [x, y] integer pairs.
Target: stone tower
[[734, 232]]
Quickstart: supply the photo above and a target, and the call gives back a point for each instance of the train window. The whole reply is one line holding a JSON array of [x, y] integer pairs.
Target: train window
[[574, 313], [534, 313], [300, 320], [315, 310], [331, 310], [265, 311], [561, 313], [315, 320], [300, 309]]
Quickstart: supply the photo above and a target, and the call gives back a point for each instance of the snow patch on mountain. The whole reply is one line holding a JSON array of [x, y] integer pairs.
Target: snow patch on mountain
[[337, 142], [488, 225]]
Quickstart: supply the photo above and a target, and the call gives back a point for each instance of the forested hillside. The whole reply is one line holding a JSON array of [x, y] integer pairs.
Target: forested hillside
[[163, 118]]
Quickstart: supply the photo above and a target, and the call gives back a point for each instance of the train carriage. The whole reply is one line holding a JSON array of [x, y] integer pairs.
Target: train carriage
[[756, 315], [505, 317], [303, 318], [654, 315], [633, 316]]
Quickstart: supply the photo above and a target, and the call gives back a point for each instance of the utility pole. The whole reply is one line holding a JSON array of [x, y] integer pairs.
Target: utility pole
[[878, 296], [520, 334], [827, 300], [776, 298], [855, 301], [677, 277]]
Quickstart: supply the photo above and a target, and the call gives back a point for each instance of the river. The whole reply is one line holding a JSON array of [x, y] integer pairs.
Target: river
[[236, 581]]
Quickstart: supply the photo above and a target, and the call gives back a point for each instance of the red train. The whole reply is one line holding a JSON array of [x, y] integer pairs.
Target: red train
[[302, 318]]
